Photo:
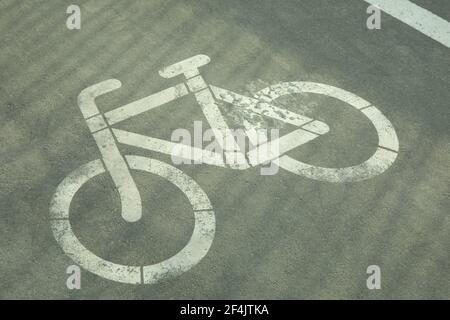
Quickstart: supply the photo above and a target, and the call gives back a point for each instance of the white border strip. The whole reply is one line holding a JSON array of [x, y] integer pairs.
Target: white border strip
[[417, 17]]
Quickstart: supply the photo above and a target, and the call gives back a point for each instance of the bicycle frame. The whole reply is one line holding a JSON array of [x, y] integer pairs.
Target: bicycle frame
[[105, 136]]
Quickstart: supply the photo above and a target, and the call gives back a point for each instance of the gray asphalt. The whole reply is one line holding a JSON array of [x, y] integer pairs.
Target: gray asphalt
[[277, 237]]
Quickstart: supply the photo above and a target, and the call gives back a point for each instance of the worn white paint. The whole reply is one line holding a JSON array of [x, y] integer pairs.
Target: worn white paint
[[259, 106]]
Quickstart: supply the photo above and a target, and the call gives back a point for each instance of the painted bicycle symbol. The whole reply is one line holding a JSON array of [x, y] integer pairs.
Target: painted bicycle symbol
[[118, 166]]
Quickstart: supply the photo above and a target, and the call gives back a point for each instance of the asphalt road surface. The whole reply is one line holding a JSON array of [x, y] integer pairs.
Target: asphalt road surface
[[281, 236]]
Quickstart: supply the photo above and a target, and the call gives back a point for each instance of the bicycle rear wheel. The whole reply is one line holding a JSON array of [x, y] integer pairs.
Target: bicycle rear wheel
[[381, 160]]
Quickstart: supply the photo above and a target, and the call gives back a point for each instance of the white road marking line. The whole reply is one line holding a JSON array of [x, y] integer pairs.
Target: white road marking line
[[416, 17]]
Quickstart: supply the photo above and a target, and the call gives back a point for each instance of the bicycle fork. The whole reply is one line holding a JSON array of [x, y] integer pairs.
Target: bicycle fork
[[113, 161]]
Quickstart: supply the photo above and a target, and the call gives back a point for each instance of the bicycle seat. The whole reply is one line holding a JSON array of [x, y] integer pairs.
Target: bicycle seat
[[188, 67]]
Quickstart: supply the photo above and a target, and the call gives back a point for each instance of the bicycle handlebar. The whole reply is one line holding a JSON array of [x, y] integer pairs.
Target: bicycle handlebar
[[86, 98]]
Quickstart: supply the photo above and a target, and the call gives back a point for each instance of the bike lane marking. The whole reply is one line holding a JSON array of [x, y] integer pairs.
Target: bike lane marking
[[417, 17]]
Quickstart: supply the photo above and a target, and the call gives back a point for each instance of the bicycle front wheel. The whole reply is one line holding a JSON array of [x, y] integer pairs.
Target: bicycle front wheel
[[185, 259]]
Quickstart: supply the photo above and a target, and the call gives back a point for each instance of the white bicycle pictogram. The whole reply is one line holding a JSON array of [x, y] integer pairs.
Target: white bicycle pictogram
[[118, 166]]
